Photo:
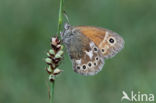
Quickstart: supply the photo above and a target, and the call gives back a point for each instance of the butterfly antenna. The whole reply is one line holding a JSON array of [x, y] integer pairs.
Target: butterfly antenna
[[66, 16]]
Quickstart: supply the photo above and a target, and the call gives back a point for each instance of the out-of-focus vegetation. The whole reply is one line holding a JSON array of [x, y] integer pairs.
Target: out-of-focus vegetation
[[26, 27]]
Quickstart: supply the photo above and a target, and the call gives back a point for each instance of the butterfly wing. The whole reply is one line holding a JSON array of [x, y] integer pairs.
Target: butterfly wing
[[109, 43], [86, 57], [90, 62]]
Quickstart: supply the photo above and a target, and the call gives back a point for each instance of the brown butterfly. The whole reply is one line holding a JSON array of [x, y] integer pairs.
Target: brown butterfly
[[88, 46]]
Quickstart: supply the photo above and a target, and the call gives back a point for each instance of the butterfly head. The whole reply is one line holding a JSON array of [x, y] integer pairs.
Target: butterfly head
[[67, 34], [67, 30]]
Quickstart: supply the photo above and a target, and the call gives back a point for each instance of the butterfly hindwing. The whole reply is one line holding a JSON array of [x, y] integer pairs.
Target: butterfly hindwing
[[91, 61]]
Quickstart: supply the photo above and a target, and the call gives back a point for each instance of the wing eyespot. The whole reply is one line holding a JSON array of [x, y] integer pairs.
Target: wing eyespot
[[95, 49], [95, 63], [84, 67], [97, 58], [89, 64], [112, 40], [78, 67], [102, 50]]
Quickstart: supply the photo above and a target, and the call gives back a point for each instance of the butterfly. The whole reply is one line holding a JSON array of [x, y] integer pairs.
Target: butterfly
[[89, 46]]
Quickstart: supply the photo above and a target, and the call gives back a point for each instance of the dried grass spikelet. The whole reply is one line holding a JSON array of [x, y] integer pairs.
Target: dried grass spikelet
[[55, 55]]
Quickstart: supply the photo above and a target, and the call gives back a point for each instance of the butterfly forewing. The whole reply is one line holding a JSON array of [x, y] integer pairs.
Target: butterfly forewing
[[109, 43]]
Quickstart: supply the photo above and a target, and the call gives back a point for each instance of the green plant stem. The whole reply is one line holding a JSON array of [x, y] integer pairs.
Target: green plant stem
[[60, 20], [52, 92]]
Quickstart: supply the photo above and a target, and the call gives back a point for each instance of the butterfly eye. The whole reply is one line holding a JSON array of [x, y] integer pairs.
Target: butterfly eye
[[84, 66]]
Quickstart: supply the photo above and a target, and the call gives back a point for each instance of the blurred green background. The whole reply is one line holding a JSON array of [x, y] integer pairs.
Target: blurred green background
[[26, 27]]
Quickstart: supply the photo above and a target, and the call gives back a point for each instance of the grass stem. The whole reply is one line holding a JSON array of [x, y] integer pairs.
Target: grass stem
[[60, 20], [52, 92]]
